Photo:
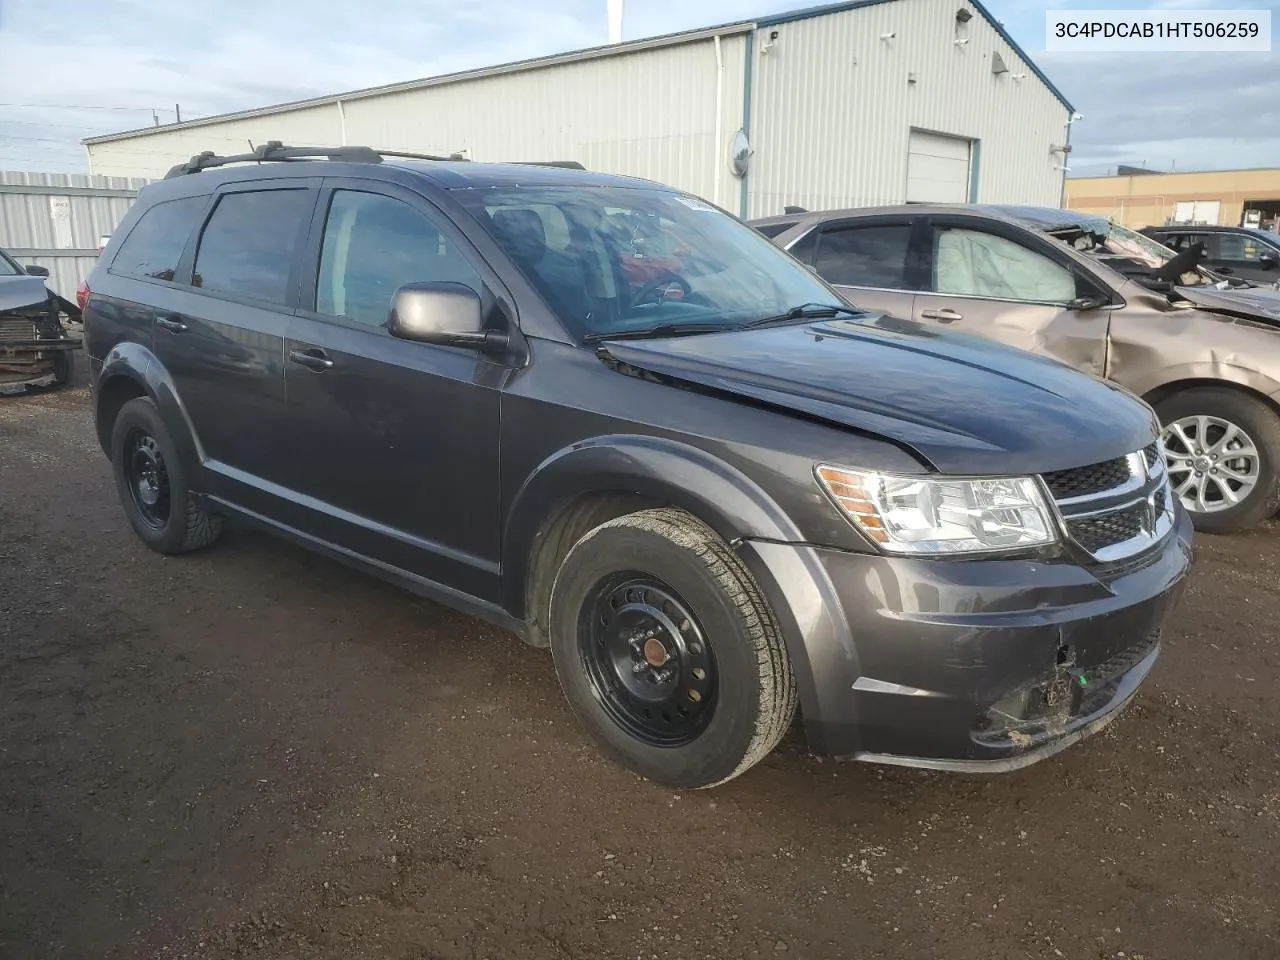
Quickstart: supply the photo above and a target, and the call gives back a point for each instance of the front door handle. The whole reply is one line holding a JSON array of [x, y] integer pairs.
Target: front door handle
[[942, 316], [313, 358], [172, 324]]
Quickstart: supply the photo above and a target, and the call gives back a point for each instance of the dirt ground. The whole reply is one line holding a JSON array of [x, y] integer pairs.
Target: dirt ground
[[254, 752]]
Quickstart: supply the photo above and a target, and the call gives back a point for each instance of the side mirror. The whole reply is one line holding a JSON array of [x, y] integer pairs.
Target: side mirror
[[449, 314], [1269, 259], [1088, 302], [37, 272]]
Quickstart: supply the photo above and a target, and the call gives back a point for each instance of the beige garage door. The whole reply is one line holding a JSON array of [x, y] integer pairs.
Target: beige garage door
[[937, 169]]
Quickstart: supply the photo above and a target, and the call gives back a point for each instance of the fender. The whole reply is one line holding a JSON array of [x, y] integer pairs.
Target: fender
[[663, 470], [1221, 370], [135, 361]]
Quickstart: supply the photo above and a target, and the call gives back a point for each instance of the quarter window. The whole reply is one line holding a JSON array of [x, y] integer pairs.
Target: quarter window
[[373, 245], [969, 263], [872, 256], [155, 244], [248, 246]]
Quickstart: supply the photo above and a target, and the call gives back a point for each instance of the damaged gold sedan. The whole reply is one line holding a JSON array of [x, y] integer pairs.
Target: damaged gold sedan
[[1202, 350]]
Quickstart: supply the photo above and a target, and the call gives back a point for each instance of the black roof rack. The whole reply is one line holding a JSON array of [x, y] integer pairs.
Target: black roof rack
[[274, 151]]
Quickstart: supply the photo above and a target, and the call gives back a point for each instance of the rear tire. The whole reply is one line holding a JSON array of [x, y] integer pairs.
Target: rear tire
[[1222, 446], [667, 650], [152, 486]]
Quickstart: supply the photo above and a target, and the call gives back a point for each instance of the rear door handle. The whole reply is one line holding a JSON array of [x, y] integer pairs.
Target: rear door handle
[[313, 358], [942, 316], [172, 324]]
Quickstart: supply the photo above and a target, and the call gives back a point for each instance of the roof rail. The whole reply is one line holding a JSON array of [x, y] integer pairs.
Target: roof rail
[[275, 151]]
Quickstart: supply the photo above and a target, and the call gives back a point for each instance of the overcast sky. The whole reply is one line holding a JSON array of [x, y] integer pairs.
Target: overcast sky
[[74, 68]]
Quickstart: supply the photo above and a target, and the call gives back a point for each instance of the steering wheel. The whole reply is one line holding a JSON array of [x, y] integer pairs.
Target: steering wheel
[[659, 282]]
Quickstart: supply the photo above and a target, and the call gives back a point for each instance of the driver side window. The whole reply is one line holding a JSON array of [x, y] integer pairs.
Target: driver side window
[[970, 263], [373, 245]]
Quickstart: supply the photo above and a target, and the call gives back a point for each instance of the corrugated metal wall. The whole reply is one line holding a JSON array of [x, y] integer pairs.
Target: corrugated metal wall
[[649, 113], [152, 154], [833, 106], [54, 220]]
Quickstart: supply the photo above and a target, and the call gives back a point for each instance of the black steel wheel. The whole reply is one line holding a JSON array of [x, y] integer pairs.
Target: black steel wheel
[[148, 478], [152, 484], [647, 659], [667, 650]]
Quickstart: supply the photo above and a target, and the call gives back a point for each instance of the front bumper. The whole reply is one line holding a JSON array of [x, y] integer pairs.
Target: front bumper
[[966, 665]]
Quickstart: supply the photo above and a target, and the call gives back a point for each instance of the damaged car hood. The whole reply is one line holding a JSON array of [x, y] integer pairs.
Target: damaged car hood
[[22, 292], [1258, 302], [964, 405]]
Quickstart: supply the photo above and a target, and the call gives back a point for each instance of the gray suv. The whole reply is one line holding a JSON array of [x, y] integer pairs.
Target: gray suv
[[611, 418]]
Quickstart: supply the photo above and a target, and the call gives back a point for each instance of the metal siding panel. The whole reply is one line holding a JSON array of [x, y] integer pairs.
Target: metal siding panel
[[648, 114], [152, 155], [833, 109], [26, 222]]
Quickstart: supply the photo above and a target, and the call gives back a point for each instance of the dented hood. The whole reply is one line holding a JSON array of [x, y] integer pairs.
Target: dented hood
[[22, 291], [964, 405], [1257, 302]]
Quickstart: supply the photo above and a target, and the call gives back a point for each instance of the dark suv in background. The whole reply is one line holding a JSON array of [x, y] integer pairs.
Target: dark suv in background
[[1237, 252], [613, 419]]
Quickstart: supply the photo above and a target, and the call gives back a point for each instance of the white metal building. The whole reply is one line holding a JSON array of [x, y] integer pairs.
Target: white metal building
[[850, 104]]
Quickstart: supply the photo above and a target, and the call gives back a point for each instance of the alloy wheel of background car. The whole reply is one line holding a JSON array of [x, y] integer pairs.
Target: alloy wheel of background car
[[148, 478], [1222, 448], [647, 659], [1213, 463]]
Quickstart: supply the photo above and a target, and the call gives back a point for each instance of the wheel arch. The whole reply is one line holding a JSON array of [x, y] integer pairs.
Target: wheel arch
[[1164, 391], [131, 370], [592, 482]]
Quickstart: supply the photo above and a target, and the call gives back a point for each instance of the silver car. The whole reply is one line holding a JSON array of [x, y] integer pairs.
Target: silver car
[[1101, 298]]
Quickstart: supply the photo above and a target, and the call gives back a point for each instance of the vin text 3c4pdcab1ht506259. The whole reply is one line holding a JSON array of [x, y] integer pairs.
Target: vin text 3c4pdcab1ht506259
[[622, 424]]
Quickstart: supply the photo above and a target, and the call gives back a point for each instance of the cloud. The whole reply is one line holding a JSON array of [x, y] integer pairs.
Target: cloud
[[1207, 110]]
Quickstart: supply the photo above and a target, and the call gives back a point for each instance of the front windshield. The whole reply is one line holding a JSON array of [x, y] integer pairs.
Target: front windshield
[[613, 260], [8, 268], [1105, 240]]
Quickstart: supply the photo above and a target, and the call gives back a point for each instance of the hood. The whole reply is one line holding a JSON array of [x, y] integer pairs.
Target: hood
[[964, 405], [1258, 302], [21, 291]]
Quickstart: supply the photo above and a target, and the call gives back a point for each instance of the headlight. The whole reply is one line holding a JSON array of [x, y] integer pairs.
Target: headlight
[[941, 515]]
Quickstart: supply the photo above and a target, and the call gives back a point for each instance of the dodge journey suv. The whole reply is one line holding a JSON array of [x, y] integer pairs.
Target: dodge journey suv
[[619, 422]]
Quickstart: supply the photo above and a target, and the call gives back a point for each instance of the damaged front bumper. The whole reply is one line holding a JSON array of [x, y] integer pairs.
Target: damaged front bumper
[[33, 360], [974, 665]]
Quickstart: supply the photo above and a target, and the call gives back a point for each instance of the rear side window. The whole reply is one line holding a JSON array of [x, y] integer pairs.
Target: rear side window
[[154, 245], [248, 246], [872, 256]]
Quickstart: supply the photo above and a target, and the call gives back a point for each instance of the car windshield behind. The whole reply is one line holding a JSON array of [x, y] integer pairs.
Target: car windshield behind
[[8, 268], [1114, 244], [618, 260]]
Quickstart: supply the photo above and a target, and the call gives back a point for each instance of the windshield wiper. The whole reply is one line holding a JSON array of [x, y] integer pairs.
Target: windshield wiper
[[661, 330], [808, 311]]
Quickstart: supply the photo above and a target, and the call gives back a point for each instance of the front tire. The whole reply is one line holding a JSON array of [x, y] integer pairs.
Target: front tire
[[667, 650], [1223, 452], [152, 485]]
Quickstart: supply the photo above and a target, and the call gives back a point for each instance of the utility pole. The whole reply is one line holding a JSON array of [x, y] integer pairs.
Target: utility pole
[[177, 112]]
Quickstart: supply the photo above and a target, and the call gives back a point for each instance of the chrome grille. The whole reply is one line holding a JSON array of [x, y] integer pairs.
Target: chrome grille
[[1084, 481], [1095, 533], [13, 330], [1116, 509]]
